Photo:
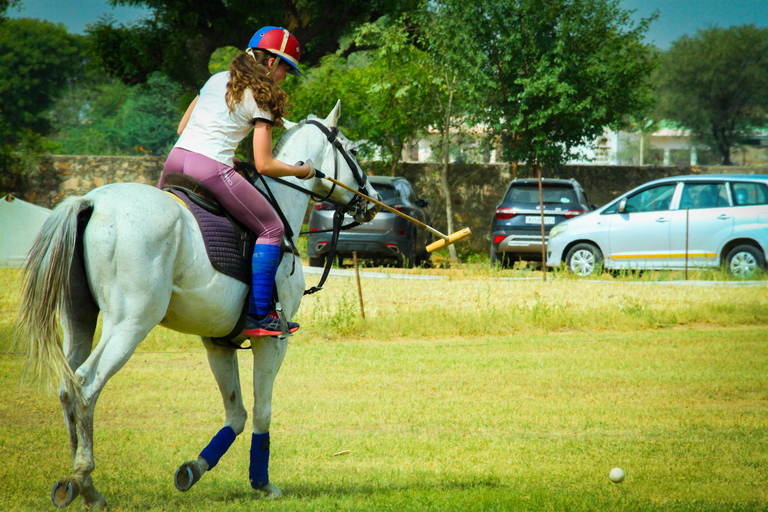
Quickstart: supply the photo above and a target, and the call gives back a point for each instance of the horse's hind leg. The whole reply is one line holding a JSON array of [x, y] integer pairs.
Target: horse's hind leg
[[223, 363], [78, 319], [125, 325], [268, 355]]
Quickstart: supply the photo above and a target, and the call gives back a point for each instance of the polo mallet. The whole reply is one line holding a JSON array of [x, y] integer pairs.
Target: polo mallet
[[446, 239]]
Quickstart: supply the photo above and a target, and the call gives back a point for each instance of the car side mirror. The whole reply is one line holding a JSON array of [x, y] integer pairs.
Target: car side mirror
[[422, 203], [622, 206], [593, 207]]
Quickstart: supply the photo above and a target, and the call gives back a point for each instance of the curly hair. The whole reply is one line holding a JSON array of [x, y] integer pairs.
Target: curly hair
[[251, 72]]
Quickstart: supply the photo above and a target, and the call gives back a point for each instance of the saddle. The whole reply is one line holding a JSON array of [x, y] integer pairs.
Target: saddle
[[228, 243]]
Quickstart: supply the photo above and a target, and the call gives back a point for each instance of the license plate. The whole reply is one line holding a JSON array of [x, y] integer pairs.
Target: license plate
[[533, 219]]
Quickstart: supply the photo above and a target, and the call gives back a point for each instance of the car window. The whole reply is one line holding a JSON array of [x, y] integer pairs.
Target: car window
[[703, 195], [406, 192], [552, 194], [651, 199], [749, 193], [387, 192]]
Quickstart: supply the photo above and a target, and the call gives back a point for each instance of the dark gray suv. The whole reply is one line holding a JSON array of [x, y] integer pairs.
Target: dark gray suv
[[386, 237], [516, 224]]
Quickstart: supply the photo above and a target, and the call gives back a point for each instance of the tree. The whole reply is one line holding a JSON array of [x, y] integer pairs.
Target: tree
[[551, 75], [108, 117], [383, 91], [554, 75], [37, 60], [182, 35], [716, 84], [451, 93]]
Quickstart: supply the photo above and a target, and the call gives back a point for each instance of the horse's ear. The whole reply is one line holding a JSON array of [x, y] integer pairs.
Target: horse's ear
[[288, 124], [333, 118]]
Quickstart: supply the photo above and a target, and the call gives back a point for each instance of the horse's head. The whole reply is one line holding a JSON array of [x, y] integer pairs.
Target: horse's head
[[335, 156]]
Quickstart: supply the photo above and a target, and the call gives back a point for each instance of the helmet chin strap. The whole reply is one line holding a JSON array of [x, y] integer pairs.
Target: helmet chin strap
[[277, 58]]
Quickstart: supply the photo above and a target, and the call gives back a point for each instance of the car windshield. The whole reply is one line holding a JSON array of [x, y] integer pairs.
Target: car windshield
[[529, 193], [387, 192]]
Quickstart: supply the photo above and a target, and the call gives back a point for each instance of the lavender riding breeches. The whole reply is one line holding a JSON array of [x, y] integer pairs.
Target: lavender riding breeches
[[236, 195]]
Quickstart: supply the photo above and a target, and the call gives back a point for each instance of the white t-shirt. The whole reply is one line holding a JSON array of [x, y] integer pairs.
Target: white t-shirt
[[212, 130]]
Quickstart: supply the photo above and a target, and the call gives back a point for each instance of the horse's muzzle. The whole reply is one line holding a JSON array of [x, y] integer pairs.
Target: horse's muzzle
[[366, 210]]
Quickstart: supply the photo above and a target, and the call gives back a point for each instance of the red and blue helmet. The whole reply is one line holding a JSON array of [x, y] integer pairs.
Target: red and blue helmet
[[280, 42]]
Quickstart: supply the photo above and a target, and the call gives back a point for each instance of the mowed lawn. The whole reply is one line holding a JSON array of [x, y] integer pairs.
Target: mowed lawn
[[467, 393]]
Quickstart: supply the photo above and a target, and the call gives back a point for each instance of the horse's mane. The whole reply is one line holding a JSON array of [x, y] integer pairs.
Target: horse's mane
[[283, 140]]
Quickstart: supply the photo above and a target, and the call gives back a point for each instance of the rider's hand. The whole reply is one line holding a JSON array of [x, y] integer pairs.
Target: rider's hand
[[311, 173]]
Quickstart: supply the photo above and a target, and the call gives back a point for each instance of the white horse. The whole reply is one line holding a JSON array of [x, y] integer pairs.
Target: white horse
[[136, 255]]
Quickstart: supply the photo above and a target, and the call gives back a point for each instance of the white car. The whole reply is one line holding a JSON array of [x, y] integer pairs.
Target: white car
[[701, 221]]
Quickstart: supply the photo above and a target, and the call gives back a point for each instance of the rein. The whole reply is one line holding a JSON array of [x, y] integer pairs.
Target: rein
[[340, 208]]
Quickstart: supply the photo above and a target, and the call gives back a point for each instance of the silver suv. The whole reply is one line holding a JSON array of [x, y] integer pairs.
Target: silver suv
[[698, 221]]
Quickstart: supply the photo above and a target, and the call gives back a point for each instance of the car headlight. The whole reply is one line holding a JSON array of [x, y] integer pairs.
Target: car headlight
[[560, 228]]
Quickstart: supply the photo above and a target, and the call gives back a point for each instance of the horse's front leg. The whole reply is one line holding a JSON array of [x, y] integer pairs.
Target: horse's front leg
[[223, 363], [268, 355]]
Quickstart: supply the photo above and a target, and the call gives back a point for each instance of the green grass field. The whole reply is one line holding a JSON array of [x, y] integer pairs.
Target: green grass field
[[459, 394]]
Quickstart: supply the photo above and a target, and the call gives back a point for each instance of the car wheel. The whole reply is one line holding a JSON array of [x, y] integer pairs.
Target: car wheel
[[744, 261], [409, 256], [317, 261], [584, 259], [424, 259], [497, 258]]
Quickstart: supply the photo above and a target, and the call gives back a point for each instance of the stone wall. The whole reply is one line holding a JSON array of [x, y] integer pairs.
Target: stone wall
[[476, 188], [60, 176]]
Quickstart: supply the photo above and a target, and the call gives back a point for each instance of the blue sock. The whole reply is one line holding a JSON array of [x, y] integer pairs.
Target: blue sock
[[218, 446], [258, 472], [265, 260]]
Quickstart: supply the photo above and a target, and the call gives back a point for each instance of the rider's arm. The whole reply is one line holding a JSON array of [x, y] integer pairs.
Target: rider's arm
[[187, 114], [262, 155]]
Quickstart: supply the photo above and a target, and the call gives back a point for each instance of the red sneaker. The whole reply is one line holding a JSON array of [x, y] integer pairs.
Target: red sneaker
[[267, 326]]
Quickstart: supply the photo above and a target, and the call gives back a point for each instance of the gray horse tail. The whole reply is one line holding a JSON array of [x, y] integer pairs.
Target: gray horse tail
[[45, 290]]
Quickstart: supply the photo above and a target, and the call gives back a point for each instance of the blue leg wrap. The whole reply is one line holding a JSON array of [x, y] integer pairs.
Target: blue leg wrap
[[264, 264], [258, 472], [218, 446]]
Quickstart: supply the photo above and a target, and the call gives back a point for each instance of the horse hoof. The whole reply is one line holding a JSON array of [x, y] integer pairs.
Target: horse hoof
[[270, 491], [187, 475], [64, 491]]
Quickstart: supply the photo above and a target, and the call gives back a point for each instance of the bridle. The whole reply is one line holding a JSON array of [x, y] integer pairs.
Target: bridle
[[357, 203]]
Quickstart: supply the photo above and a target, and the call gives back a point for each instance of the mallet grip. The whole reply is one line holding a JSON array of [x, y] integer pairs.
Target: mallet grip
[[454, 237]]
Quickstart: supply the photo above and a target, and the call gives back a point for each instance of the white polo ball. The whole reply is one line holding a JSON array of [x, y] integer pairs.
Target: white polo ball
[[616, 475]]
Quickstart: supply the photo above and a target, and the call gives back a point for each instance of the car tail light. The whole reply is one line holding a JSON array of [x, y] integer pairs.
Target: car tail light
[[399, 207], [313, 229], [574, 213], [498, 238], [392, 247], [401, 232], [320, 245], [322, 206], [505, 213]]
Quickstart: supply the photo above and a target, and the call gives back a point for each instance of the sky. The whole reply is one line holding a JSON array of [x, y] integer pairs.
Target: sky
[[677, 17]]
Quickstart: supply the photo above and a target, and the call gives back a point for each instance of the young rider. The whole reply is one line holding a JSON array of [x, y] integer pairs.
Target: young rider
[[230, 104]]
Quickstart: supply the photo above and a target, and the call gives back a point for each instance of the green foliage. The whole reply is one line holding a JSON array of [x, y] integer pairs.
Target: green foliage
[[222, 58], [37, 60], [383, 91], [716, 84], [552, 76], [108, 117], [181, 36]]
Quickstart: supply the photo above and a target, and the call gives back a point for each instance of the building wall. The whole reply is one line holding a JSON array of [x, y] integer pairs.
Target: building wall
[[476, 188]]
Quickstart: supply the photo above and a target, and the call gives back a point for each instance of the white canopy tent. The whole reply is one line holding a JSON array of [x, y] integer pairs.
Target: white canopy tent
[[19, 224]]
